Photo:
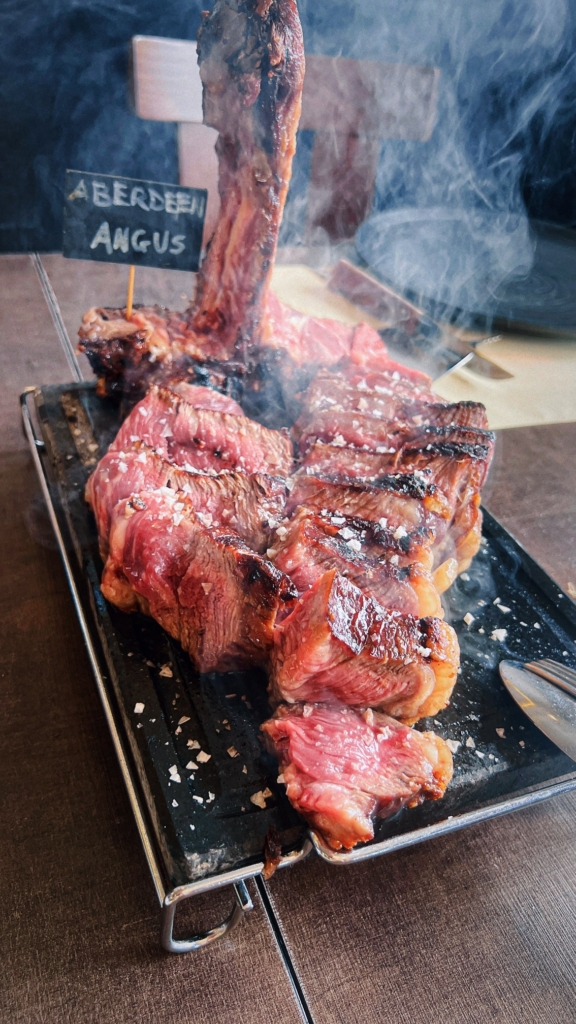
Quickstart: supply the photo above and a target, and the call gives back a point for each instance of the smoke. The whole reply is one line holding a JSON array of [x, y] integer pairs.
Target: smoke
[[449, 223]]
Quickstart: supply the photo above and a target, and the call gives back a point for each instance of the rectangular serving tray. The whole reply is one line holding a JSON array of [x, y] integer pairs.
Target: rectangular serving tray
[[205, 831]]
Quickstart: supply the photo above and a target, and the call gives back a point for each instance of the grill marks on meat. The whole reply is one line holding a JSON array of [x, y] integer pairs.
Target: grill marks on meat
[[341, 768], [309, 546], [339, 644], [403, 503], [361, 434], [206, 587], [382, 430], [251, 57], [206, 440]]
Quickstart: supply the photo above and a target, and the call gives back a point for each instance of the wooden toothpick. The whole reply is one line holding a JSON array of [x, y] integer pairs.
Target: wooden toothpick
[[130, 294]]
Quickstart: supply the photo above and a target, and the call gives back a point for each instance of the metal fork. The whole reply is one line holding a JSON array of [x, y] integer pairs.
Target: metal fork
[[561, 675]]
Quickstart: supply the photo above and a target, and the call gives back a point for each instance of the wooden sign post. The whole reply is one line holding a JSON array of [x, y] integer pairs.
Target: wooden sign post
[[126, 220]]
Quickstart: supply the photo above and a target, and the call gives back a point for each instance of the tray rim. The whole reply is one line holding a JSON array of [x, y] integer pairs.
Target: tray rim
[[169, 896]]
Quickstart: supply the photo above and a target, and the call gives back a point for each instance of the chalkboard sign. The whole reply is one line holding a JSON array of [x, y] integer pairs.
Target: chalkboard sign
[[125, 220]]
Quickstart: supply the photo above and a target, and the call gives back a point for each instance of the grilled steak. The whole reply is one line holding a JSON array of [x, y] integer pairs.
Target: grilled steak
[[339, 644], [341, 768], [383, 510], [204, 439]]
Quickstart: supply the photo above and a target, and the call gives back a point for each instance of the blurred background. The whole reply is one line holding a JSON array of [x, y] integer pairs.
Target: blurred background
[[493, 185]]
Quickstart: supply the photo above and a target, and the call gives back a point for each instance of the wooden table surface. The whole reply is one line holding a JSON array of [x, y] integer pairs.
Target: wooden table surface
[[479, 926]]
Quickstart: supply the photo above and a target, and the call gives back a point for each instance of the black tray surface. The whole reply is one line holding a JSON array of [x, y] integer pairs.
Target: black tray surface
[[207, 822]]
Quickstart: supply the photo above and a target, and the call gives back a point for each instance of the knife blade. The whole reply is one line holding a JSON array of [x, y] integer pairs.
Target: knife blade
[[551, 710]]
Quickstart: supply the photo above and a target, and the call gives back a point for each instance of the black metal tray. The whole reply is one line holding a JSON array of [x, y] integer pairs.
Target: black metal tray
[[207, 830]]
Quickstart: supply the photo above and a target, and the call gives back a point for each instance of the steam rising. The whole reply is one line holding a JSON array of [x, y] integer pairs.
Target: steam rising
[[449, 221]]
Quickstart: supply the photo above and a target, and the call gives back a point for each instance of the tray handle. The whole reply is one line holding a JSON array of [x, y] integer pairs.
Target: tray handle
[[171, 945]]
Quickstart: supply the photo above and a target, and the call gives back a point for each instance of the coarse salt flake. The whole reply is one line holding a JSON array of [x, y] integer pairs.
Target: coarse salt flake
[[185, 718], [202, 756], [468, 618], [400, 532], [453, 745], [499, 635], [346, 533], [354, 544], [193, 744], [166, 671], [174, 803], [198, 799], [501, 733], [470, 743], [138, 708], [192, 767], [232, 752], [259, 799]]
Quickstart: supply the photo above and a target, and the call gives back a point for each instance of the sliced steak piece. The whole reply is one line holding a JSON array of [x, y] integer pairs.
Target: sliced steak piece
[[406, 454], [341, 768], [338, 644], [380, 434], [306, 547], [204, 439], [206, 588], [229, 599], [250, 506], [399, 502]]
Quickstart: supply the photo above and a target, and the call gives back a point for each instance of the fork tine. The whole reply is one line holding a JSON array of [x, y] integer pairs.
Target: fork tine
[[564, 671], [561, 675]]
